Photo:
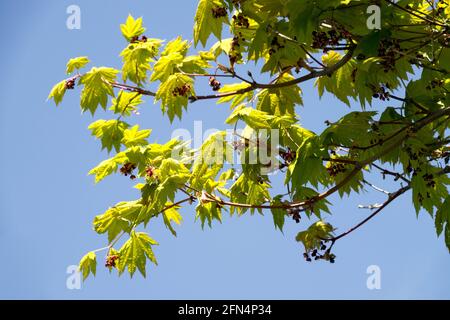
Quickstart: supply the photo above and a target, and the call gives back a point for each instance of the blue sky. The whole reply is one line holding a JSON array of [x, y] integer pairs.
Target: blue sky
[[47, 201]]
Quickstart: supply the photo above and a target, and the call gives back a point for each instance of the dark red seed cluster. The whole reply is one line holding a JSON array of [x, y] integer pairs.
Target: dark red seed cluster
[[325, 39], [288, 156], [429, 180], [150, 172], [275, 45], [335, 168], [381, 93], [219, 12], [182, 91], [214, 83], [136, 39], [127, 170], [435, 83], [421, 197], [111, 261], [70, 83], [295, 214], [234, 54], [241, 21], [321, 253], [389, 49]]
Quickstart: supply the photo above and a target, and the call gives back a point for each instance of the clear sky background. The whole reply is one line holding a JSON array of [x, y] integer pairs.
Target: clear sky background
[[47, 201]]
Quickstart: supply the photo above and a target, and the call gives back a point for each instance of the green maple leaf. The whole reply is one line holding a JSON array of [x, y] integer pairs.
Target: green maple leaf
[[97, 88], [254, 118], [308, 165], [135, 252], [117, 219], [110, 132], [442, 221], [195, 64], [246, 189], [108, 166], [137, 58], [173, 174], [282, 100], [213, 154], [57, 92], [278, 214], [135, 137], [207, 212], [171, 103], [170, 215], [76, 63], [176, 45], [88, 264], [314, 234], [132, 28], [206, 23], [171, 59], [165, 66], [126, 102], [235, 99]]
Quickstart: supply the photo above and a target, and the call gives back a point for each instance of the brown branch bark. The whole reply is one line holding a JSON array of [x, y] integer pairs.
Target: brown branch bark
[[314, 74]]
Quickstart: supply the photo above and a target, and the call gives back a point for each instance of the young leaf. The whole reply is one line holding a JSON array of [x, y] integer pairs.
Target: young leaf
[[308, 165], [76, 63], [117, 219], [341, 83], [177, 45], [195, 64], [237, 98], [205, 21], [173, 175], [174, 93], [207, 212], [254, 118], [314, 234], [135, 137], [88, 264], [126, 102], [57, 92], [165, 66], [213, 154], [132, 28], [110, 132], [278, 214], [97, 88], [442, 218], [137, 58], [170, 215], [135, 252], [282, 100], [107, 167], [247, 189]]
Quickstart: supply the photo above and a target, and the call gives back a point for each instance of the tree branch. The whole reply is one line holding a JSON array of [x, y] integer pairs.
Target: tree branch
[[424, 18], [132, 89], [314, 74], [391, 198]]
